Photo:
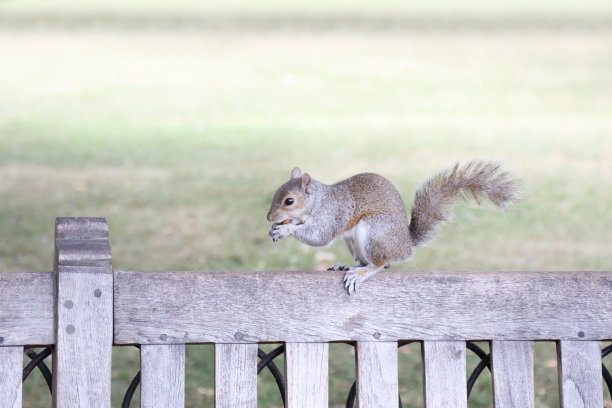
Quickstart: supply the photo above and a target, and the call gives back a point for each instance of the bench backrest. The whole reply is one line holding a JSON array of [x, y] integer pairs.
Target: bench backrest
[[84, 307]]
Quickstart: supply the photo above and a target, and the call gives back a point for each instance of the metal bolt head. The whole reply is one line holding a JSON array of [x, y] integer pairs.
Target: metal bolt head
[[68, 304], [97, 293], [238, 336], [70, 329], [377, 335], [163, 337]]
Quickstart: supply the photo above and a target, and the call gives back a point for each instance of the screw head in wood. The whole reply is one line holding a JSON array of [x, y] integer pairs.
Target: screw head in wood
[[97, 293], [70, 329], [68, 304], [163, 337], [377, 335], [238, 336]]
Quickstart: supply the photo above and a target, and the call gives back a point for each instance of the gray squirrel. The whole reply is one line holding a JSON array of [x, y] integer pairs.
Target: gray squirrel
[[368, 212]]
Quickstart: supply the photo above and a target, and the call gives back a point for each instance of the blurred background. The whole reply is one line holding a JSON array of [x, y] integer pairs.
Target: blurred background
[[177, 120]]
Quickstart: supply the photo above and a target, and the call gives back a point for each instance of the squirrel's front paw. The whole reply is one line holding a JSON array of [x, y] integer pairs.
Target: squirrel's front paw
[[279, 231]]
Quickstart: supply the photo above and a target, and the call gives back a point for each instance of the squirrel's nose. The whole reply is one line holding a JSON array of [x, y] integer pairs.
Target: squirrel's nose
[[270, 216]]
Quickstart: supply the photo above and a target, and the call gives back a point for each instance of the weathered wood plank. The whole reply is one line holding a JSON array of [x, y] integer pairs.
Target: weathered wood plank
[[83, 252], [11, 365], [236, 375], [512, 372], [82, 357], [377, 380], [27, 304], [162, 375], [444, 378], [294, 306], [579, 364], [84, 329], [306, 370], [81, 228], [82, 242]]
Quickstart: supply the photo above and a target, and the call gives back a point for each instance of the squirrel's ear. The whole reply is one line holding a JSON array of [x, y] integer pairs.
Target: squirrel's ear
[[306, 183], [296, 173]]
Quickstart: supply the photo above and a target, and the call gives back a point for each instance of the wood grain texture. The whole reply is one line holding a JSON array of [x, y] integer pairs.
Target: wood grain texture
[[162, 376], [512, 372], [579, 364], [235, 375], [83, 253], [444, 377], [11, 366], [377, 380], [194, 307], [306, 373], [81, 228], [82, 242], [84, 319], [27, 304]]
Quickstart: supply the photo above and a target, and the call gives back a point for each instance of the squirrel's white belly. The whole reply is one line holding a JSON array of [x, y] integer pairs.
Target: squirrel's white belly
[[355, 239]]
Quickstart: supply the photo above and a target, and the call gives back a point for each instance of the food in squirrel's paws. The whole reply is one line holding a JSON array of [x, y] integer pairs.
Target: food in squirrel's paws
[[287, 221]]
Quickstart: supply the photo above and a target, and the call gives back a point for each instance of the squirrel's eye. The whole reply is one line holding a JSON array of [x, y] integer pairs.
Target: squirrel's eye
[[289, 201]]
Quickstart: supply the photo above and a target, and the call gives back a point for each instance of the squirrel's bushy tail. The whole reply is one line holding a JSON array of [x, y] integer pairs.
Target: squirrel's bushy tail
[[434, 199]]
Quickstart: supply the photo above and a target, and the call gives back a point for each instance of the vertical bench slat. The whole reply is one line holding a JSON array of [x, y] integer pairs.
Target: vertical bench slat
[[512, 373], [444, 379], [84, 314], [377, 381], [235, 375], [579, 365], [162, 375], [11, 366], [306, 370], [82, 357]]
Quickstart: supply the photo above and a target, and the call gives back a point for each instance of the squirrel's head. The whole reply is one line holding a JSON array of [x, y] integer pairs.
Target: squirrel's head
[[289, 202]]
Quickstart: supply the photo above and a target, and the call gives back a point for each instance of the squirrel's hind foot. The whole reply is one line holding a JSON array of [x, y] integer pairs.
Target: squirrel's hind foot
[[339, 267], [356, 275]]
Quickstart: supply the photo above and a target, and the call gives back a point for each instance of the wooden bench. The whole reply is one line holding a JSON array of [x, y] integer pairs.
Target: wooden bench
[[85, 307]]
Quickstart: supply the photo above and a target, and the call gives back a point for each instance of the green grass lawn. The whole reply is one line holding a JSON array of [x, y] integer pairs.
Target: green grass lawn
[[180, 138]]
